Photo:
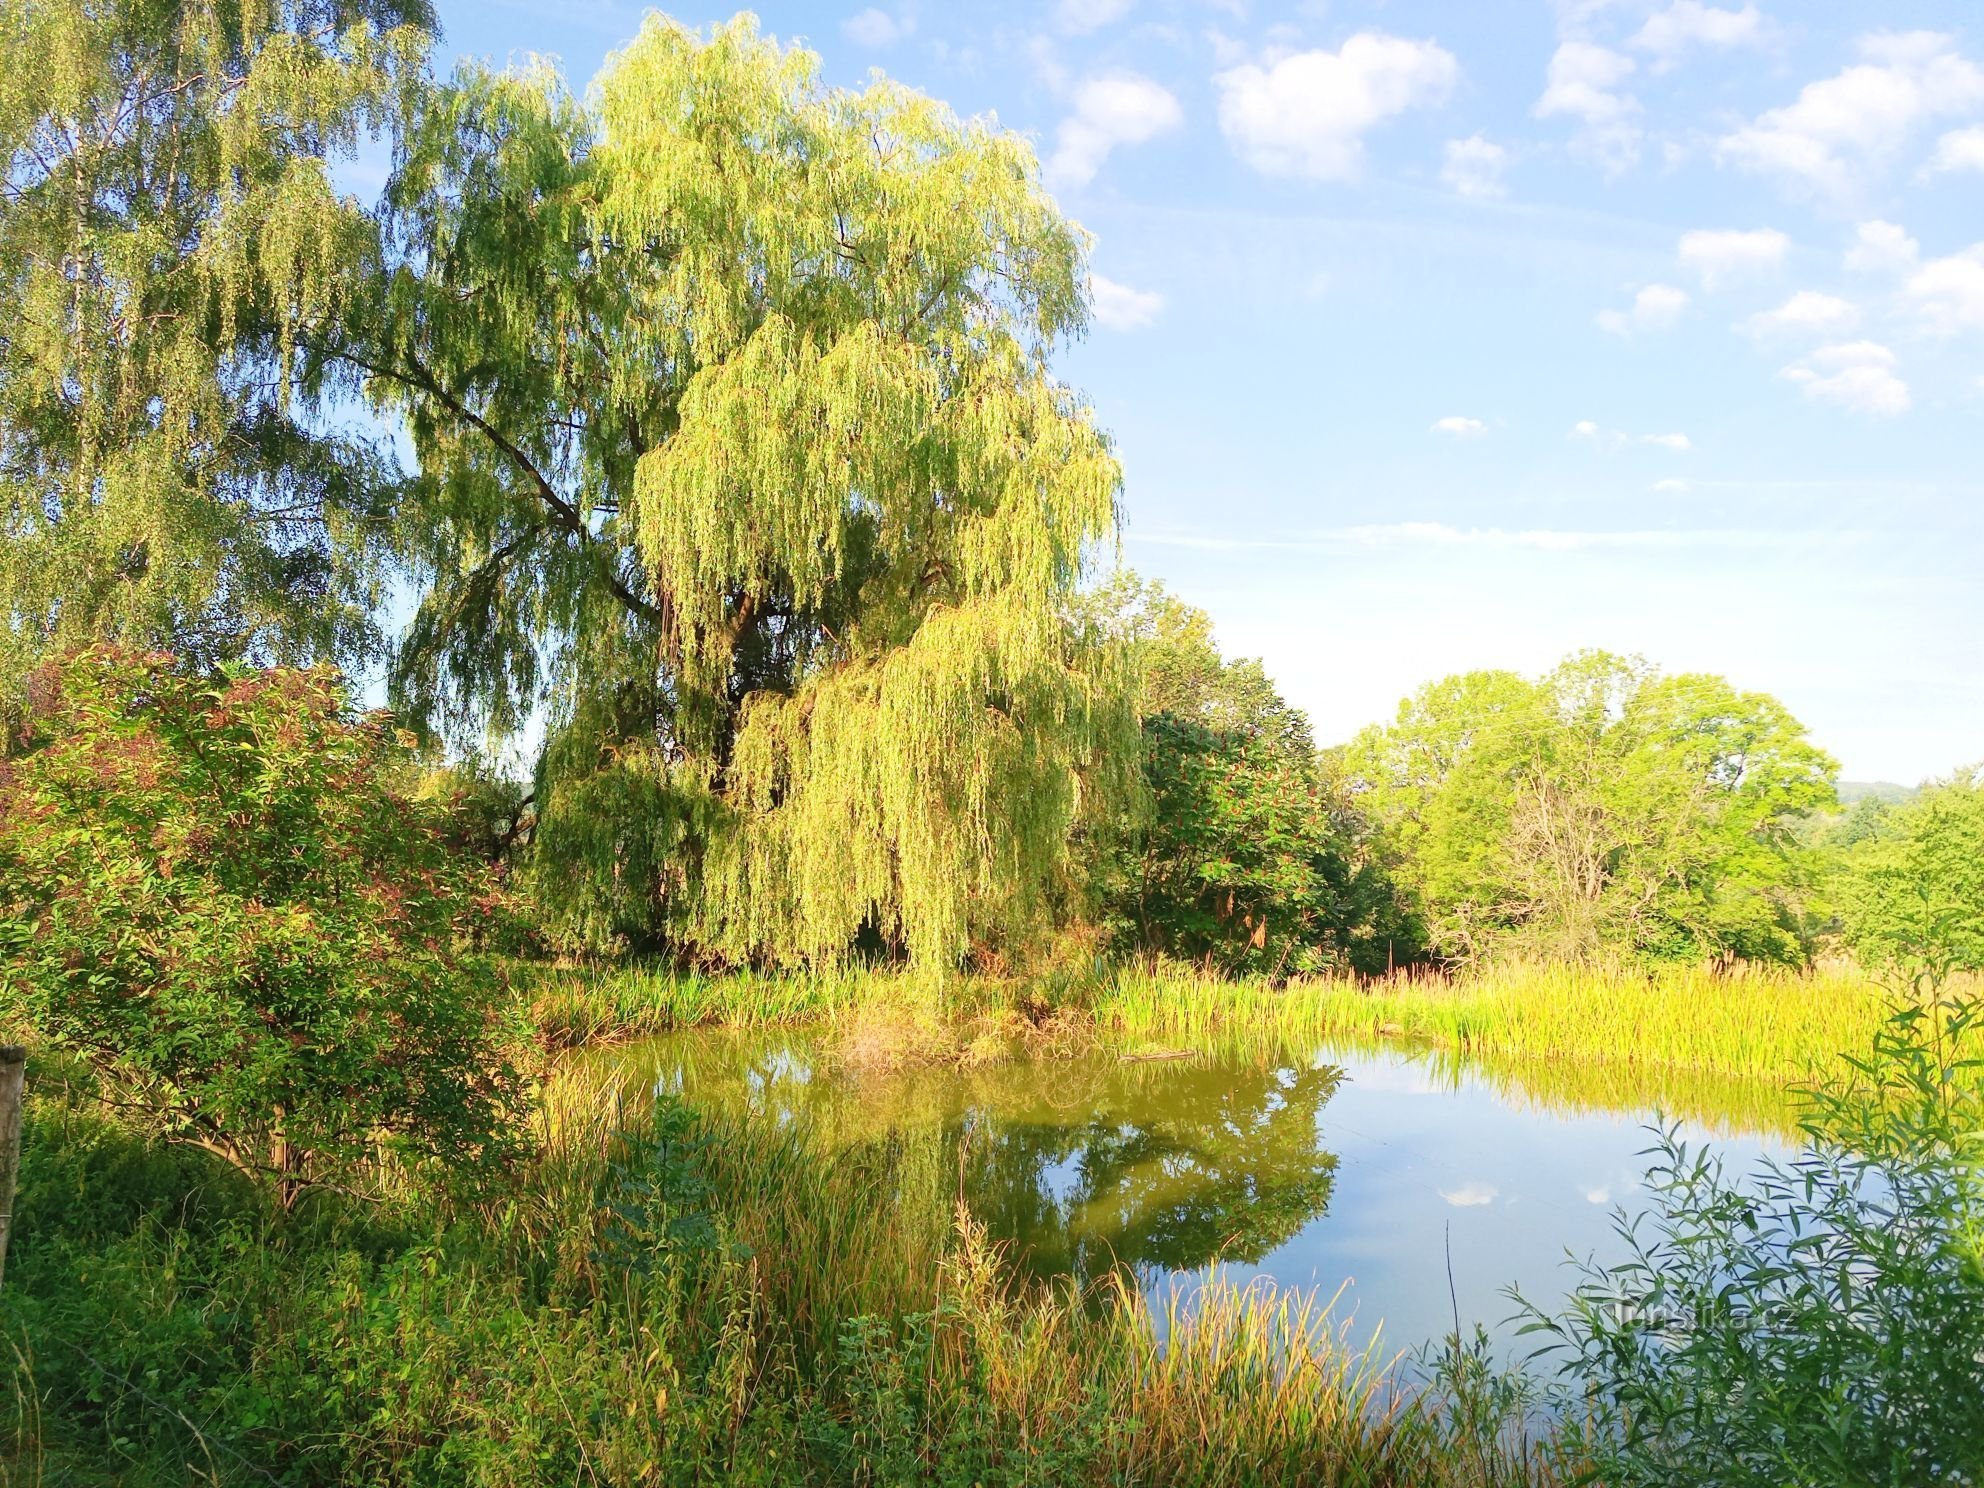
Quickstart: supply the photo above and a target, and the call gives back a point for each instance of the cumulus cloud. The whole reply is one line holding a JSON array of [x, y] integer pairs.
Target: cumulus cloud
[[1959, 150], [1080, 17], [1654, 308], [1460, 427], [1841, 130], [1121, 308], [1806, 313], [1881, 248], [1306, 113], [1857, 375], [1474, 167], [1583, 83], [1471, 1195], [1722, 254], [1947, 294], [1679, 443], [1120, 108], [1689, 24], [875, 28]]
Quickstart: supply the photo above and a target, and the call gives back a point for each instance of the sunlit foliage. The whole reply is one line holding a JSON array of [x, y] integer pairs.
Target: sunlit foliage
[[215, 894], [740, 454], [1604, 807], [172, 251]]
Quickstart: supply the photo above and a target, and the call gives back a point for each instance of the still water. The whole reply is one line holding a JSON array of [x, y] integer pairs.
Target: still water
[[1369, 1169]]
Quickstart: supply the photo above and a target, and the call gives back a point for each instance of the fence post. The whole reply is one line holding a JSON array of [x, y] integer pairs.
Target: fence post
[[13, 1070]]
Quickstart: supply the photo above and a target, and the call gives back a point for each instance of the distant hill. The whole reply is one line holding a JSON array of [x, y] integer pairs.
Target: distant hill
[[1876, 790]]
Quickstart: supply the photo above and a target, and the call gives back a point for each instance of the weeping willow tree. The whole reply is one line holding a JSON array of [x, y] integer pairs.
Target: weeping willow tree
[[171, 244], [740, 455]]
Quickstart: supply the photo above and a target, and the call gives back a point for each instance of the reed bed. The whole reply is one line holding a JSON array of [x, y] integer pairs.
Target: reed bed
[[1762, 1024]]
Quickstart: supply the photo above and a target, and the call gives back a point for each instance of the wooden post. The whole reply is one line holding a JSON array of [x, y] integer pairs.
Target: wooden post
[[13, 1070]]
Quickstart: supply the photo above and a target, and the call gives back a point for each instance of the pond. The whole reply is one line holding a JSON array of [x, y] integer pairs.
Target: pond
[[1373, 1169]]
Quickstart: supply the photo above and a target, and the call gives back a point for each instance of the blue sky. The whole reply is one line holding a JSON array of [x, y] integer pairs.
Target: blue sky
[[1450, 335]]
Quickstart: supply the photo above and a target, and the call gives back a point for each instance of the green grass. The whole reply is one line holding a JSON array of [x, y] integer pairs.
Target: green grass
[[1762, 1024], [682, 1303]]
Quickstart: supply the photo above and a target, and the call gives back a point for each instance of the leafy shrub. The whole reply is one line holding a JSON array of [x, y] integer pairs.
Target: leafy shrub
[[1821, 1322], [215, 893]]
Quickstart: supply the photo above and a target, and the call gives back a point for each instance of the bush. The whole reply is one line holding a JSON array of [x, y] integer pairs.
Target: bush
[[216, 893], [1821, 1323]]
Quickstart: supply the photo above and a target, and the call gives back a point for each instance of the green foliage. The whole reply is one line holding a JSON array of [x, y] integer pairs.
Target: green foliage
[[172, 252], [1909, 878], [842, 1327], [731, 399], [1245, 855], [1820, 1322], [212, 892], [1605, 808]]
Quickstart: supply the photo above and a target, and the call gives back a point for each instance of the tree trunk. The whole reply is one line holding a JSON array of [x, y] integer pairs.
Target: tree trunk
[[13, 1074]]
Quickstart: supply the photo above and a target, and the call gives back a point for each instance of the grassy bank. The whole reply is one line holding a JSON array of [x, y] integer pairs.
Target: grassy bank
[[1753, 1023], [680, 1304], [1764, 1024]]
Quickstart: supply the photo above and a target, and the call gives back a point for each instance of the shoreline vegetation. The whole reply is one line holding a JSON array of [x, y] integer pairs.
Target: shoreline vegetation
[[676, 1295], [1762, 1023]]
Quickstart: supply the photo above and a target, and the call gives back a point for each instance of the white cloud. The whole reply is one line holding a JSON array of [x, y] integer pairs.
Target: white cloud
[[876, 28], [1474, 167], [1460, 427], [1881, 248], [1842, 129], [1541, 540], [1599, 1195], [1121, 108], [1611, 441], [1721, 254], [1672, 486], [1121, 308], [1583, 83], [1654, 308], [1471, 1194], [1959, 150], [1858, 375], [1947, 294], [1806, 313], [1689, 23], [1083, 16], [1306, 113]]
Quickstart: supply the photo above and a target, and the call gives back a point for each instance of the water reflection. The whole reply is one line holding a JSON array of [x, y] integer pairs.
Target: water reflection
[[1201, 1164], [1375, 1169]]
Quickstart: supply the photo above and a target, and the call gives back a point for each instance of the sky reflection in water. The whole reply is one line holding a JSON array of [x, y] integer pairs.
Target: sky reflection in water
[[1316, 1167]]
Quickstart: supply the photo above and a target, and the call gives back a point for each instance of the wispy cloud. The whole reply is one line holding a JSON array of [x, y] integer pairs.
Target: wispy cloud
[[1473, 167], [1654, 308], [1460, 427], [1857, 375], [1121, 308], [1721, 254], [1535, 539]]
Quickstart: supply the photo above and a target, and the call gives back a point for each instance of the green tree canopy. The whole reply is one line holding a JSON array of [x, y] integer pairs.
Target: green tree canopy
[[1605, 807], [1909, 877], [739, 452], [170, 245], [1245, 854]]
